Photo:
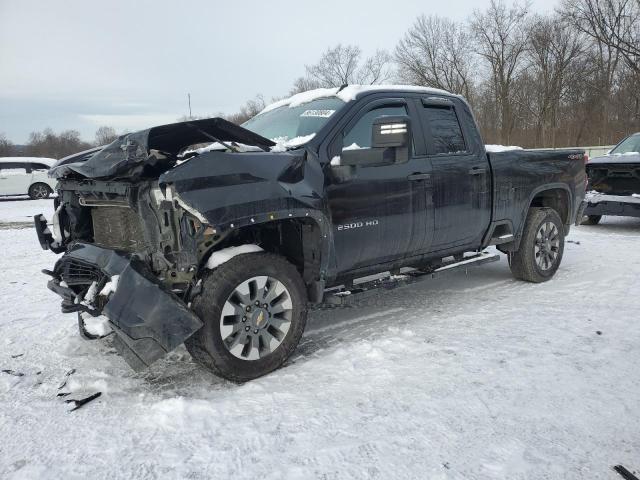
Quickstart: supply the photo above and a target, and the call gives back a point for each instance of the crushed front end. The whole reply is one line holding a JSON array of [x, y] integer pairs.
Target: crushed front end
[[131, 255], [614, 186]]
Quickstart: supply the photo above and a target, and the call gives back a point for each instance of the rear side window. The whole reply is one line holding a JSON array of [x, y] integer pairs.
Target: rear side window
[[445, 130], [39, 166], [13, 168]]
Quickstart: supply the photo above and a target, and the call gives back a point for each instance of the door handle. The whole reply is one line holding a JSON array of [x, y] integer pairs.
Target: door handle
[[419, 176], [477, 171]]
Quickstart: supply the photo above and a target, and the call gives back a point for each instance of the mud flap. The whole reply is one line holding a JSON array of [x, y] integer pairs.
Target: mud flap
[[148, 321]]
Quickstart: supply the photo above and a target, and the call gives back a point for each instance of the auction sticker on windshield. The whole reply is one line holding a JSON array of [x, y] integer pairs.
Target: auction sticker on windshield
[[317, 113]]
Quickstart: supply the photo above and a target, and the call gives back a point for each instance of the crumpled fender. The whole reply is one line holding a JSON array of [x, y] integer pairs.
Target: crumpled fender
[[232, 189]]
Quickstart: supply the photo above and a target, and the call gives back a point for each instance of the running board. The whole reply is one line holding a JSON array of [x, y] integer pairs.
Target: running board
[[366, 289]]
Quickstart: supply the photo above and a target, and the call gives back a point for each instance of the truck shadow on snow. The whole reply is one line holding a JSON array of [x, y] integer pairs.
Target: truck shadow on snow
[[332, 328]]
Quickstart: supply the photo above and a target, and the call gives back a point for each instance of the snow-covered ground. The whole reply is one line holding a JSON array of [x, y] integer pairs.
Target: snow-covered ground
[[468, 377], [17, 212]]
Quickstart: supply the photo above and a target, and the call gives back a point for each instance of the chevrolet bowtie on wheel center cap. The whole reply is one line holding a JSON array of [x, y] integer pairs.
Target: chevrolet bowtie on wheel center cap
[[256, 317]]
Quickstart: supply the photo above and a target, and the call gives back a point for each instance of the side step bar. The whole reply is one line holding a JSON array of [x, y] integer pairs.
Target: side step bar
[[346, 296]]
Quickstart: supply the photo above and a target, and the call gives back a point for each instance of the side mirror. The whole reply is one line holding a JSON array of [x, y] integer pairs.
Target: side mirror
[[390, 143], [391, 131]]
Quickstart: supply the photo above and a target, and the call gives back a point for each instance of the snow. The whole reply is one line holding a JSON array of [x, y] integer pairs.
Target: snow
[[474, 376], [224, 255], [500, 148], [353, 146], [346, 94], [110, 286], [96, 325], [283, 143], [45, 160], [21, 210]]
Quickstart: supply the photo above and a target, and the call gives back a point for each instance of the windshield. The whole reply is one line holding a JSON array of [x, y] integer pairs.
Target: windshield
[[292, 126], [628, 145]]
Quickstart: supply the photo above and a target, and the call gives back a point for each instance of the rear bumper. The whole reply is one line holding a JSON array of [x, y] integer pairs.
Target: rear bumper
[[618, 205], [148, 321]]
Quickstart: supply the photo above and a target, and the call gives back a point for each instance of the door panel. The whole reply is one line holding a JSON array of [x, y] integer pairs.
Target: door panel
[[461, 180], [14, 179], [379, 213]]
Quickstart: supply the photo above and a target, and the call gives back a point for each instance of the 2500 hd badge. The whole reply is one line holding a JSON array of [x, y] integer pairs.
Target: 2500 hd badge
[[351, 226]]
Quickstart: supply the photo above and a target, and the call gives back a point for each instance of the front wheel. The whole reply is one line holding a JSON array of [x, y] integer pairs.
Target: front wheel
[[254, 312], [541, 247]]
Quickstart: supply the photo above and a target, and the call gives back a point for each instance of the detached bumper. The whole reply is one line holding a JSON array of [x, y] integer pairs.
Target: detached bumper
[[618, 205], [148, 321]]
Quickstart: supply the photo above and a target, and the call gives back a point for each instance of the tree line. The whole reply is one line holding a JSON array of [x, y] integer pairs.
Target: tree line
[[566, 78], [49, 144]]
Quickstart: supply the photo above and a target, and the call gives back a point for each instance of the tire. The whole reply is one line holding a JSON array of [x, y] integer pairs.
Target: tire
[[233, 288], [537, 259], [591, 220], [39, 191]]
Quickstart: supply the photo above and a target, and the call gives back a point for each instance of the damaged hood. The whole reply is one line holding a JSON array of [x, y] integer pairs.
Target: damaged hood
[[626, 158], [151, 152]]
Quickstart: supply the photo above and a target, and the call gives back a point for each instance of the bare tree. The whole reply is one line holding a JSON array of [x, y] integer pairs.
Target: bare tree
[[49, 144], [436, 52], [6, 147], [501, 40], [342, 65], [375, 69], [105, 135], [555, 56], [614, 23], [248, 110]]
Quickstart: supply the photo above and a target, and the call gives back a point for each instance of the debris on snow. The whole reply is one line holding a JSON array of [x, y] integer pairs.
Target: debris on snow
[[624, 473], [17, 356], [66, 378], [83, 401], [14, 373]]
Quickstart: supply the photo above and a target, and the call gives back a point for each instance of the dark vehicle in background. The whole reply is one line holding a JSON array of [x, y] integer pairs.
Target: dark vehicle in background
[[225, 248], [614, 182]]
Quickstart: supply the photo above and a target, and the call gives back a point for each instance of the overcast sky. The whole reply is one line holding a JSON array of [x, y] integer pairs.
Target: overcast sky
[[79, 64]]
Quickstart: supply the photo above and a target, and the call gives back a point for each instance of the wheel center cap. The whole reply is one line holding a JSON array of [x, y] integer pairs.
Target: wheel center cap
[[260, 318]]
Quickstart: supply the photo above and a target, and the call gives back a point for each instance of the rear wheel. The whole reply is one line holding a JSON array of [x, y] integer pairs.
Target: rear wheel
[[591, 220], [541, 247], [254, 311], [39, 191]]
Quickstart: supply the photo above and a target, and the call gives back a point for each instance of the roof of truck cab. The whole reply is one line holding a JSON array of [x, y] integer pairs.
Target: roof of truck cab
[[348, 93], [45, 160]]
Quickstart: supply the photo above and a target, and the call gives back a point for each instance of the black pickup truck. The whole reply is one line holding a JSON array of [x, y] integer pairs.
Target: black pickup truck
[[222, 236]]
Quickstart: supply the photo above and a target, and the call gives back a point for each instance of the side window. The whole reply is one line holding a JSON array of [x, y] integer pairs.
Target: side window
[[360, 134], [13, 169], [445, 129], [39, 166]]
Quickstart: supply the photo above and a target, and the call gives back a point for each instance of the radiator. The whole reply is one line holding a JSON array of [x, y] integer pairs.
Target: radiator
[[119, 228]]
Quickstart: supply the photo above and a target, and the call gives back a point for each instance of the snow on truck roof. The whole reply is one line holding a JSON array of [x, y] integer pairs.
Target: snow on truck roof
[[348, 93], [45, 160]]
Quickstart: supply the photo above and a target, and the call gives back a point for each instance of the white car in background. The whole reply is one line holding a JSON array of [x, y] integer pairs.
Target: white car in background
[[26, 176]]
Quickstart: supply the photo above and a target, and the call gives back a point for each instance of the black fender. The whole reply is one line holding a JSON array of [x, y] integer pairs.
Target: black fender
[[534, 193], [234, 190]]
